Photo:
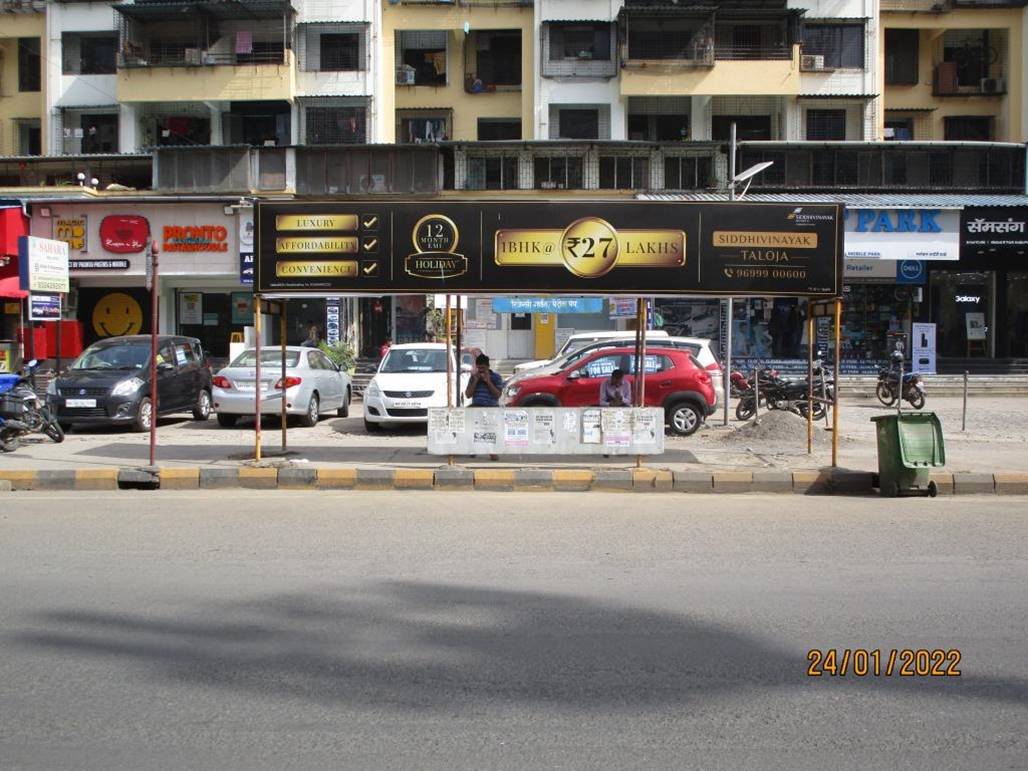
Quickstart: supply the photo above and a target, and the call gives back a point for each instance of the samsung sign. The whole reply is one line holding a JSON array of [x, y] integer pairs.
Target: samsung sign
[[902, 234]]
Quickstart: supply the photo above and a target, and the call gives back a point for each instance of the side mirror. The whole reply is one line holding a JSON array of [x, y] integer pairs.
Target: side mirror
[[575, 375], [32, 364], [164, 366]]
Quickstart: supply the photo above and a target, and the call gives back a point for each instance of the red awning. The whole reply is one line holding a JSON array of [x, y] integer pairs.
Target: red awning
[[9, 288], [13, 223]]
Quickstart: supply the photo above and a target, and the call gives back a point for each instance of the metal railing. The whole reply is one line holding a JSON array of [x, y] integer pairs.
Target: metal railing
[[758, 53], [195, 57]]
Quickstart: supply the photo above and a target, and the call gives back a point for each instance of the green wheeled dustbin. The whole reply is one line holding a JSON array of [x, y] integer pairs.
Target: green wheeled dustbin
[[909, 446]]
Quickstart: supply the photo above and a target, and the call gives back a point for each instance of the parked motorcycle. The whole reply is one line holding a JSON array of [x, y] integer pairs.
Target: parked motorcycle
[[913, 385], [21, 410], [777, 393]]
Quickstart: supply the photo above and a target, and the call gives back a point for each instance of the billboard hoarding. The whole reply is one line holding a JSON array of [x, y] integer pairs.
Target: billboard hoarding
[[653, 248]]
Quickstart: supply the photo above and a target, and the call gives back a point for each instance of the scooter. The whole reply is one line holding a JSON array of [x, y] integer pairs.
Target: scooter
[[21, 410], [10, 434]]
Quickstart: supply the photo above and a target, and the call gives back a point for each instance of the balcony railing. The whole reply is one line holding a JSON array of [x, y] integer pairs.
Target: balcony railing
[[945, 82], [195, 57], [751, 53]]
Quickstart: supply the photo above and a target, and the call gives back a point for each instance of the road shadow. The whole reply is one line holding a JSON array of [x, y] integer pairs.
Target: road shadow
[[432, 646]]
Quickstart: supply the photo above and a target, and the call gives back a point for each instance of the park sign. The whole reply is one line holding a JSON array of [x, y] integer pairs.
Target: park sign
[[583, 248], [42, 264]]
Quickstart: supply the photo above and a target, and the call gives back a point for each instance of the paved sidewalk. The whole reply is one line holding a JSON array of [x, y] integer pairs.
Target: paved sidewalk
[[996, 441]]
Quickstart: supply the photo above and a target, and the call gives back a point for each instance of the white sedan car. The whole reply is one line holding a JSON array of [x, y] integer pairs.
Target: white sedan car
[[313, 386], [410, 379]]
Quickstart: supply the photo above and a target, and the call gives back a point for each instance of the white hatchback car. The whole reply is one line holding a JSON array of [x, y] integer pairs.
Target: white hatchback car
[[410, 379], [313, 385]]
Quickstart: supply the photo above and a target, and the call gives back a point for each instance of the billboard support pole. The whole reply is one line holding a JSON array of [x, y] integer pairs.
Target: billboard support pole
[[257, 380], [640, 363], [835, 406], [154, 320], [728, 355], [449, 368], [810, 378], [458, 396], [282, 344], [57, 332]]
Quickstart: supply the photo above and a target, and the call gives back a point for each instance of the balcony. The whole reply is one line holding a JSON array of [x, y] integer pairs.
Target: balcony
[[902, 167], [970, 62], [229, 50], [578, 50], [725, 77], [492, 61]]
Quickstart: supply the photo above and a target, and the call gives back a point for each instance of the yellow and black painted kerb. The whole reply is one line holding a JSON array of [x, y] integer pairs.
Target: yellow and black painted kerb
[[567, 247]]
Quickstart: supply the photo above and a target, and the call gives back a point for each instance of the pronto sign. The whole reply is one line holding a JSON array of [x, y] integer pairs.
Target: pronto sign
[[43, 264], [656, 248]]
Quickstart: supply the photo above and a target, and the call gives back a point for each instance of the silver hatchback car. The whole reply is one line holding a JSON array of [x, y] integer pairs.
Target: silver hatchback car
[[313, 386]]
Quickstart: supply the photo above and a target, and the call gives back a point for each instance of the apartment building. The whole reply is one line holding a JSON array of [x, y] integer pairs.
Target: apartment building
[[23, 85], [953, 70]]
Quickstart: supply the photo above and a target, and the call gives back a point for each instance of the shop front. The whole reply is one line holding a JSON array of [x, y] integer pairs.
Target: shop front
[[201, 289], [980, 304]]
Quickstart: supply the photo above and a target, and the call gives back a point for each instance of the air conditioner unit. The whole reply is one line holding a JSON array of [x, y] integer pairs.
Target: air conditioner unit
[[812, 62], [994, 85]]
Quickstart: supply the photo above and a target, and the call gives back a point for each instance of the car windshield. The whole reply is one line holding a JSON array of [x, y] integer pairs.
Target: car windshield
[[133, 355], [269, 357], [414, 360]]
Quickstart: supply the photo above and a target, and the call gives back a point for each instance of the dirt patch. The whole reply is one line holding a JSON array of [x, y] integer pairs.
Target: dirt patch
[[776, 427]]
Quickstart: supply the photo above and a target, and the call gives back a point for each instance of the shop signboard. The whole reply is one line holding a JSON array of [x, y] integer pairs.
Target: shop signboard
[[246, 268], [74, 231], [44, 307], [242, 309], [598, 248], [194, 238], [42, 264], [902, 234], [124, 233], [547, 304], [332, 322], [98, 264], [995, 230], [623, 307], [923, 348]]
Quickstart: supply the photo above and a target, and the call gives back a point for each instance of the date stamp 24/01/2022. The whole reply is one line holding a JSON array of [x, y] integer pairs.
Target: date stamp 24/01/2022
[[878, 662]]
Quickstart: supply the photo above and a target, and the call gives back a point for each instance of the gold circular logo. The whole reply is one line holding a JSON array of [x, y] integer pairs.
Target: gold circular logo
[[589, 247], [435, 233]]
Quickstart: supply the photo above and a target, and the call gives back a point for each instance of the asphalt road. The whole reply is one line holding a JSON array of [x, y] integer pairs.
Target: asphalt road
[[390, 630]]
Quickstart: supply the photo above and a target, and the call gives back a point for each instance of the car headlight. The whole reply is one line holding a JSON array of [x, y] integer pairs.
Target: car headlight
[[127, 387], [51, 388], [373, 389], [512, 390]]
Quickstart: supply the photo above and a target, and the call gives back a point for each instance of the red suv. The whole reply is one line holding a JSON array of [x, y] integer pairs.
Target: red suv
[[674, 381]]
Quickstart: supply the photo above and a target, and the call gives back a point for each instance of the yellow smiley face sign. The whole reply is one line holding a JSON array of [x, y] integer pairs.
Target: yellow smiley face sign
[[117, 314]]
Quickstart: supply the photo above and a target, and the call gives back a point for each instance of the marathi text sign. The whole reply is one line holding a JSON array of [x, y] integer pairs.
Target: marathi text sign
[[566, 248]]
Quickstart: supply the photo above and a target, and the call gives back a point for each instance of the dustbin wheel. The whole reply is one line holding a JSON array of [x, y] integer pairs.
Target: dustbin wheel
[[933, 489]]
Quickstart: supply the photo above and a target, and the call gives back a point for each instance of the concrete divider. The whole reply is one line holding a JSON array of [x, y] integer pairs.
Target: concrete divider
[[802, 482]]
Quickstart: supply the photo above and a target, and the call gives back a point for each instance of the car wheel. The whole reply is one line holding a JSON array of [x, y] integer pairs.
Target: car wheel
[[371, 428], [310, 417], [344, 411], [144, 415], [684, 419], [202, 408], [226, 420]]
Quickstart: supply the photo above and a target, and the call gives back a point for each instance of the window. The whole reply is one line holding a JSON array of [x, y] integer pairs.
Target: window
[[100, 133], [492, 173], [340, 53], [670, 38], [579, 41], [262, 52], [497, 58], [842, 45], [654, 364], [658, 128], [335, 125], [30, 137], [899, 129], [971, 55], [85, 53], [579, 124], [495, 129], [826, 125], [687, 172], [968, 128], [520, 322], [30, 70], [901, 57], [428, 128], [747, 127], [422, 59], [624, 173], [558, 172], [602, 366]]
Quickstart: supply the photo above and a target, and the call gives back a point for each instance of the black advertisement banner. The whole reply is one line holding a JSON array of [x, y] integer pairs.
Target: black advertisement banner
[[549, 247], [994, 230]]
